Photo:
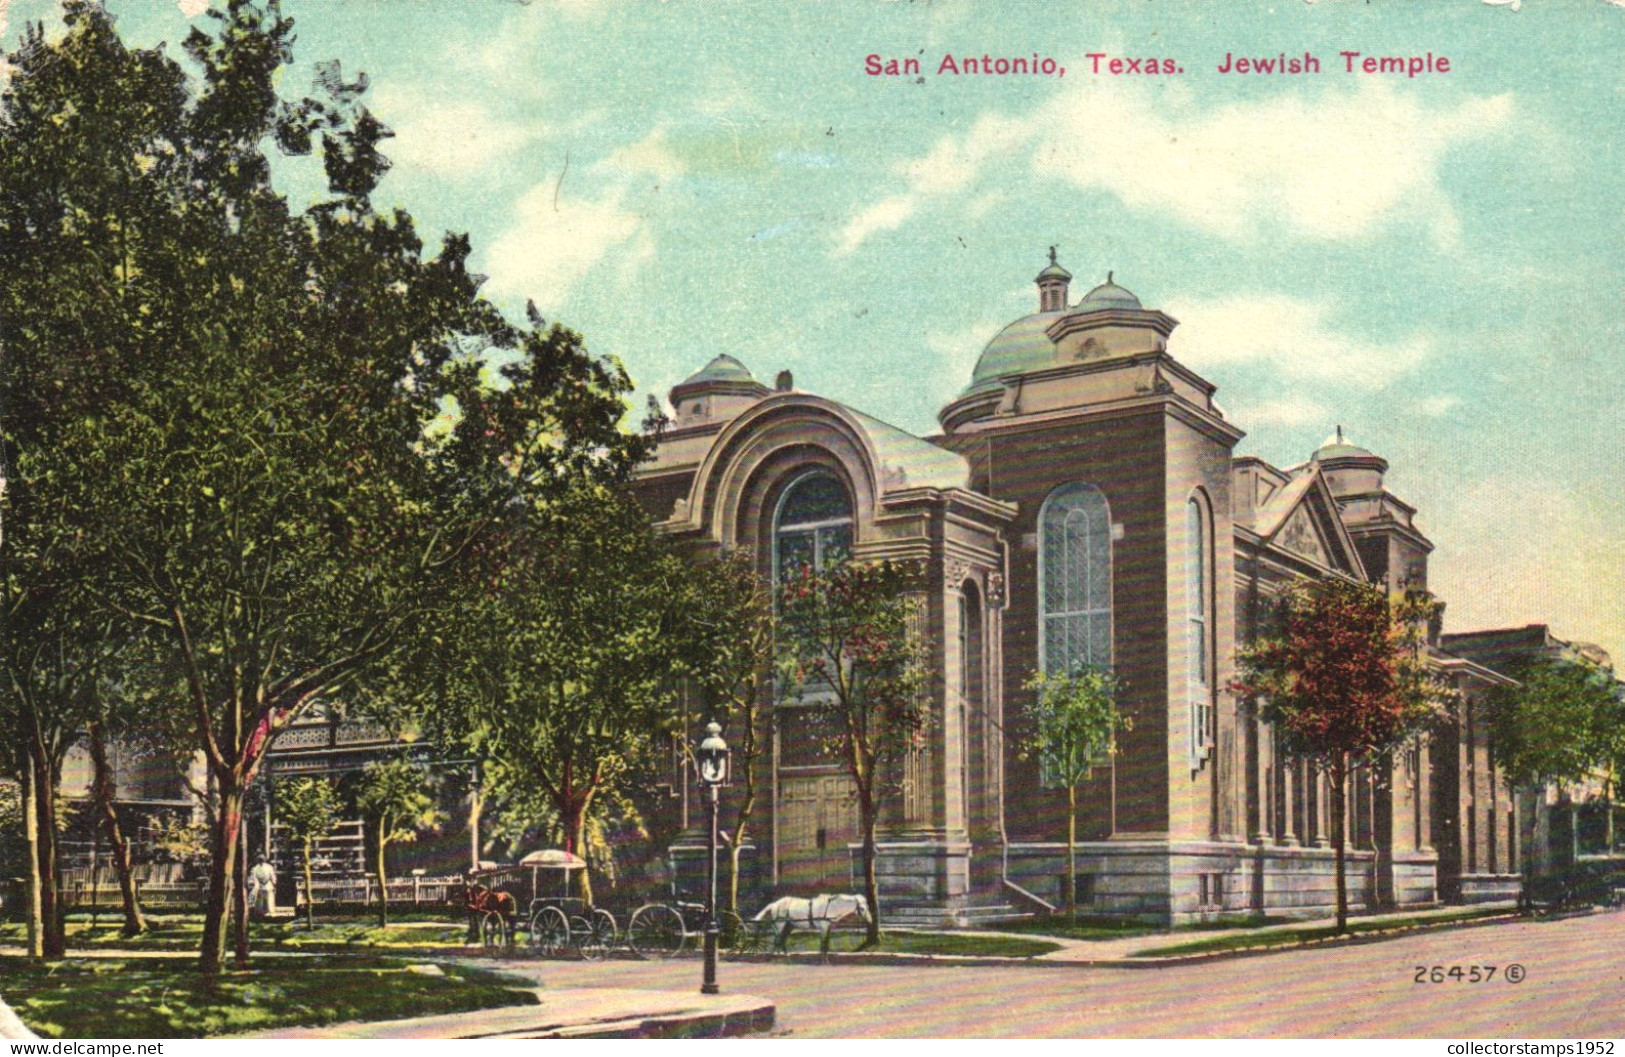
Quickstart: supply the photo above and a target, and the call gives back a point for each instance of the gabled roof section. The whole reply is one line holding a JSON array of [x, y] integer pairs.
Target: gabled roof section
[[1301, 518]]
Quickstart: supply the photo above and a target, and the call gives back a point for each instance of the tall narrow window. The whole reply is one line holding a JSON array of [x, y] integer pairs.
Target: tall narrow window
[[814, 526], [1198, 607], [1074, 580]]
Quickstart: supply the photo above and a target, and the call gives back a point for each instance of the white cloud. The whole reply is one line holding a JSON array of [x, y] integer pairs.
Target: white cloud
[[650, 155], [556, 241], [1437, 406], [1339, 165], [190, 8], [1282, 411], [884, 215], [1293, 336], [1332, 166], [447, 136]]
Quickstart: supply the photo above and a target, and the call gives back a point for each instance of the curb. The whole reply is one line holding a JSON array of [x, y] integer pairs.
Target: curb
[[1049, 960]]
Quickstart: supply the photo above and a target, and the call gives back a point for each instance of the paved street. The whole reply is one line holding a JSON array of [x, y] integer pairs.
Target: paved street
[[1574, 987]]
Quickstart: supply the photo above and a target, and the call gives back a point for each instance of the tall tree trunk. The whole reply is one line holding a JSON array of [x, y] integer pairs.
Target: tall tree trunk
[[227, 821], [36, 894], [578, 838], [1072, 851], [52, 912], [310, 907], [383, 879], [105, 790], [871, 882], [239, 902], [1339, 775], [747, 805]]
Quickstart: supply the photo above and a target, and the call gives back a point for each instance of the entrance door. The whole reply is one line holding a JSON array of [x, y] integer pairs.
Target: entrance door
[[818, 818]]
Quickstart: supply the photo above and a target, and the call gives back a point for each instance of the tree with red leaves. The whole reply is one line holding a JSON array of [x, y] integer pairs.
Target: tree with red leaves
[[1344, 678], [851, 646]]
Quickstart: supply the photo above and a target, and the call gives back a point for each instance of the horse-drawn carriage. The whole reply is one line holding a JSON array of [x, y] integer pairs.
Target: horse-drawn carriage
[[550, 925]]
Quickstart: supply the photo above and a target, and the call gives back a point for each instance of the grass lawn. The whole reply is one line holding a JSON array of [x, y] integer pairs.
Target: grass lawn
[[960, 943], [1098, 928], [166, 998], [184, 932], [1291, 937]]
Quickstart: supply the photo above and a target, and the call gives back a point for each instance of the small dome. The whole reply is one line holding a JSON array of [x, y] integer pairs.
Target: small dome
[[1337, 447], [1053, 271], [723, 368], [1109, 295], [1021, 346]]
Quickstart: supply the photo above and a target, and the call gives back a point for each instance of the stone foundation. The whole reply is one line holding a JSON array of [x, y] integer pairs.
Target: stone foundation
[[1489, 887], [1176, 883]]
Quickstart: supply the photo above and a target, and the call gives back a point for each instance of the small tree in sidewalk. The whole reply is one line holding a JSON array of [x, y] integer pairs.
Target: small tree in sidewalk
[[308, 807], [1344, 679], [1074, 728], [851, 645], [395, 802]]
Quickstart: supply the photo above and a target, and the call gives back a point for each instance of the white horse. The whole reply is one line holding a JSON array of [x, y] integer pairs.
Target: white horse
[[820, 912]]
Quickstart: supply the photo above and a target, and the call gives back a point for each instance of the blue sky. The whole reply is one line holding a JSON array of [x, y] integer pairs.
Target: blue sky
[[1436, 263]]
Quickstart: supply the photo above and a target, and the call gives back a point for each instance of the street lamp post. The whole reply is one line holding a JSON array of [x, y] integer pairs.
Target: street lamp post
[[711, 759]]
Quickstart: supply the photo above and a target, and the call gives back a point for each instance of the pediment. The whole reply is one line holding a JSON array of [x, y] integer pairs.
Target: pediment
[[1300, 536], [1306, 524]]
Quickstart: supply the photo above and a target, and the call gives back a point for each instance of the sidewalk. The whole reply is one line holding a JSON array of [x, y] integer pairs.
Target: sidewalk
[[1120, 953], [571, 1013]]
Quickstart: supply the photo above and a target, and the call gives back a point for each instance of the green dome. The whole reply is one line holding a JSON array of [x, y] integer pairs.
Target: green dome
[[722, 369], [1054, 271], [1022, 346], [1109, 295]]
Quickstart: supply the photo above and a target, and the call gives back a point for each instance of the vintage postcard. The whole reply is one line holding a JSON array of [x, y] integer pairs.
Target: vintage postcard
[[672, 518]]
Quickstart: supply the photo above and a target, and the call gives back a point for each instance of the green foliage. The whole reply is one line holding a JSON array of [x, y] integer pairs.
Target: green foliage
[[558, 672], [308, 807], [852, 647], [268, 441], [178, 839], [1563, 722], [394, 795], [1074, 721], [527, 818], [1346, 675], [850, 644]]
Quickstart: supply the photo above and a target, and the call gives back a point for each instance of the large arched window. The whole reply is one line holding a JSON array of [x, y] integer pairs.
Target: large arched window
[[1074, 579], [813, 527], [1199, 625]]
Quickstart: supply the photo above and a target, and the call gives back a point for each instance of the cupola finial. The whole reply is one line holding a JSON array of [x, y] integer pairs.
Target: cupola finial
[[1052, 285]]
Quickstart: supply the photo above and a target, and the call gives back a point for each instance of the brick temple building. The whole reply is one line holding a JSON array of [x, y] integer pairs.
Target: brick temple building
[[1084, 501]]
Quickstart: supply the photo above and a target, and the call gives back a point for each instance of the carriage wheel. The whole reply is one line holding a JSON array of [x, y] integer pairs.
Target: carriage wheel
[[581, 936], [656, 931], [603, 937], [735, 933], [549, 932], [493, 930]]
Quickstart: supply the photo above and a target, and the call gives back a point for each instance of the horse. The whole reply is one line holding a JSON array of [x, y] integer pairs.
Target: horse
[[480, 900], [820, 912]]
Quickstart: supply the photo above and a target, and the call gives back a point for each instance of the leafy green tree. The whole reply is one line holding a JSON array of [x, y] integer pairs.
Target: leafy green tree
[[561, 672], [298, 453], [1563, 722], [1557, 724], [395, 800], [727, 653], [308, 807], [1074, 726], [851, 646], [1344, 679]]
